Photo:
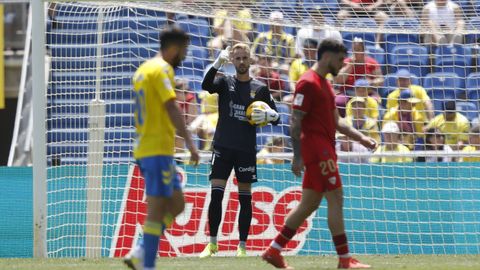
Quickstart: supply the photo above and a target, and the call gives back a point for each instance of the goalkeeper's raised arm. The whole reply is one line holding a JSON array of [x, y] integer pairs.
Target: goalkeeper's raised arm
[[209, 83]]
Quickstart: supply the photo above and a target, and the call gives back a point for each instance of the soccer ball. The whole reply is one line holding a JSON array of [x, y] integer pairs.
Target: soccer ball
[[256, 105]]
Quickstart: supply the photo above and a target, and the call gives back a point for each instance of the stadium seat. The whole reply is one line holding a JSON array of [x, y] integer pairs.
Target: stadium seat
[[268, 129], [286, 81], [108, 64], [474, 25], [284, 123], [377, 53], [74, 11], [115, 23], [453, 58], [265, 28], [199, 30], [284, 112], [117, 135], [390, 83], [190, 67], [198, 53], [194, 82], [112, 107], [359, 24], [65, 91], [140, 12], [468, 108], [413, 57], [287, 7], [476, 5], [89, 78], [135, 23], [393, 38], [81, 121], [143, 52], [73, 149], [472, 87], [330, 8], [443, 85], [83, 37]]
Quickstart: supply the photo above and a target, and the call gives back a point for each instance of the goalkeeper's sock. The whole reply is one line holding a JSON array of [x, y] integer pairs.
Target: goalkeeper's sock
[[152, 232], [215, 209], [341, 245], [245, 216], [242, 244], [283, 238], [213, 240]]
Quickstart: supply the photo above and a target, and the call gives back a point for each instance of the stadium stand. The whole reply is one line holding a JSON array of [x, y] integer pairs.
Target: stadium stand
[[124, 50], [359, 23], [393, 39], [453, 58], [413, 57]]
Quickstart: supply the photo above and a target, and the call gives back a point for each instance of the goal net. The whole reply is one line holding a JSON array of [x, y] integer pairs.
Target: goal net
[[418, 194]]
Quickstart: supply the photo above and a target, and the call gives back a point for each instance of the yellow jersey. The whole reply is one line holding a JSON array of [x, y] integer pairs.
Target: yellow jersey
[[418, 121], [400, 149], [371, 108], [417, 92], [469, 149], [280, 47], [454, 131], [369, 127], [244, 15], [297, 68], [153, 86]]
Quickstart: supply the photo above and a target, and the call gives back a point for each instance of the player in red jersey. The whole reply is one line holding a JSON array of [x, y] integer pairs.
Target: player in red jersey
[[314, 122]]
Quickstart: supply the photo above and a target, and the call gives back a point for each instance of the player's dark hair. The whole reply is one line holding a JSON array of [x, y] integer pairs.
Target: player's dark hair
[[330, 45], [431, 132], [475, 130], [173, 36]]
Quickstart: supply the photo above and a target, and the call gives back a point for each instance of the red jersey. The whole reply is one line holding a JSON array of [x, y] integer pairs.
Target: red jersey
[[272, 80], [315, 96], [360, 71]]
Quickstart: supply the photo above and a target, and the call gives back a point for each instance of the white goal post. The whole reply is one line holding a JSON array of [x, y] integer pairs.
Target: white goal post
[[88, 193]]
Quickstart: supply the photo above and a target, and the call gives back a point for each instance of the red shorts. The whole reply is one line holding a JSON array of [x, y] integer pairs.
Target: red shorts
[[321, 169]]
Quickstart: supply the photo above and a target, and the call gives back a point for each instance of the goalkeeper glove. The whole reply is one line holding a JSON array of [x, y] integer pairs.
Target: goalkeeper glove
[[222, 58], [260, 116]]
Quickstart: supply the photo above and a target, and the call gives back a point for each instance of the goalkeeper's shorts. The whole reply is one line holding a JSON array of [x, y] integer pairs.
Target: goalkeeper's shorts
[[225, 159], [160, 175]]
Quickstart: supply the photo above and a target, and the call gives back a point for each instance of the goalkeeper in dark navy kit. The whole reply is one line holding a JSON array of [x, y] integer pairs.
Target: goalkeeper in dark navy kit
[[234, 142]]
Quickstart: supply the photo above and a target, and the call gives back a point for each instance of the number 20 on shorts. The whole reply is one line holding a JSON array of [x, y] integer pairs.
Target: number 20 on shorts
[[327, 167]]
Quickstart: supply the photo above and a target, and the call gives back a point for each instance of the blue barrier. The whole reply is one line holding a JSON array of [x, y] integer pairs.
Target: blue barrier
[[428, 208]]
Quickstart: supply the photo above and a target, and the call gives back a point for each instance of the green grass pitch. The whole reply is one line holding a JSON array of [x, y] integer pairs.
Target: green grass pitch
[[404, 262]]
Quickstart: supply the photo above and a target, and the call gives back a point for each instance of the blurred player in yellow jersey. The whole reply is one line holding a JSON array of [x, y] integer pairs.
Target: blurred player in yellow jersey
[[157, 117]]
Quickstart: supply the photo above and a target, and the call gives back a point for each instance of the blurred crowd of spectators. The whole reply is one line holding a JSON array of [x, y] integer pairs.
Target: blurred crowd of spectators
[[402, 121]]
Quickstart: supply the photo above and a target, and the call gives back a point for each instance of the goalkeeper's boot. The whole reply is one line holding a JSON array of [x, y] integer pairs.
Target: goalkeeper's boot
[[273, 257], [209, 250], [241, 252], [134, 259], [351, 263]]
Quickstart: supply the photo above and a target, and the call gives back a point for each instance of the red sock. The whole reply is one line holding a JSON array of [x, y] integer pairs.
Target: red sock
[[284, 236], [341, 244]]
